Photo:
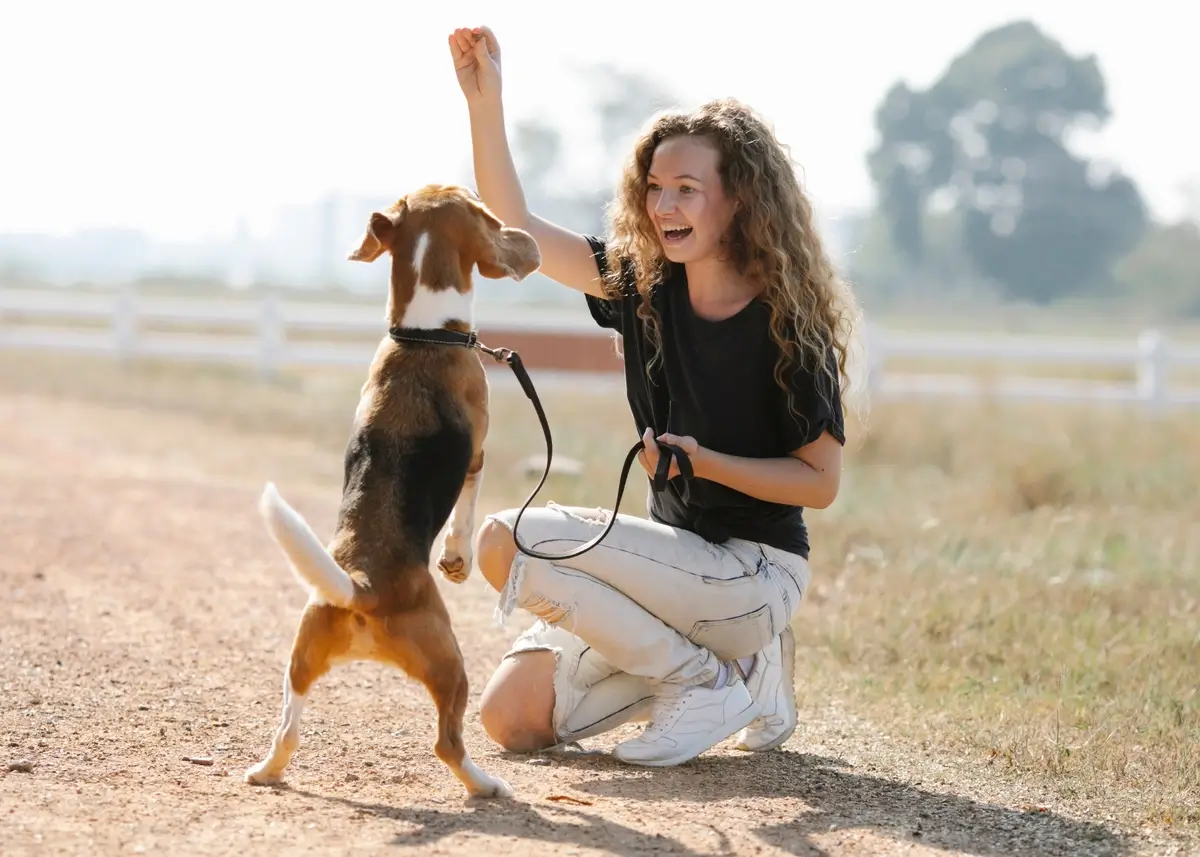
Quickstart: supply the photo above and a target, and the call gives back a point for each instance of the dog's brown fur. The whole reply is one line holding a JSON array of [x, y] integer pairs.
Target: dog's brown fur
[[414, 462]]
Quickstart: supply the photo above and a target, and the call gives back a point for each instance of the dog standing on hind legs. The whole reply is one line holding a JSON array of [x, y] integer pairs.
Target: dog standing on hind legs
[[414, 461]]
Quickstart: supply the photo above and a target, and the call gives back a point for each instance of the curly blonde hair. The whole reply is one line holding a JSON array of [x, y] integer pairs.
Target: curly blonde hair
[[772, 240]]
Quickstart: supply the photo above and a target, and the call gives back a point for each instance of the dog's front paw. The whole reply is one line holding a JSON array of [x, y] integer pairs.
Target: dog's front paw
[[455, 567]]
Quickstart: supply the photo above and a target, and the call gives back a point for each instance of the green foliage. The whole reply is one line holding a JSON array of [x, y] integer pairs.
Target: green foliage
[[1164, 270], [989, 141]]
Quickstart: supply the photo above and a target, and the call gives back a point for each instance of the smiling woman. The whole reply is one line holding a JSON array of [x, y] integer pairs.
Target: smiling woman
[[735, 332], [682, 204]]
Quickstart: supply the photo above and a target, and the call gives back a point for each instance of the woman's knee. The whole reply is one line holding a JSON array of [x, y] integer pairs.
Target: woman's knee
[[495, 548], [517, 705], [495, 551]]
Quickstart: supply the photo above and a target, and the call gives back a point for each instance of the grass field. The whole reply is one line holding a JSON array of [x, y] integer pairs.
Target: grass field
[[1018, 587]]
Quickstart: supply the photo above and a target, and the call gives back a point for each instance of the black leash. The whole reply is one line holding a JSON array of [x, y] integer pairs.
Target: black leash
[[668, 452]]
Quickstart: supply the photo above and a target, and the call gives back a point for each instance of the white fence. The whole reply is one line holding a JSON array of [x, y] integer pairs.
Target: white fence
[[119, 324]]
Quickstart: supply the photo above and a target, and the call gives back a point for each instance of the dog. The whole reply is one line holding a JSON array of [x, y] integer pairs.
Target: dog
[[414, 461]]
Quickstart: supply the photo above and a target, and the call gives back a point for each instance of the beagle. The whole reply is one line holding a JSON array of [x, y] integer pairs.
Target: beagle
[[413, 462]]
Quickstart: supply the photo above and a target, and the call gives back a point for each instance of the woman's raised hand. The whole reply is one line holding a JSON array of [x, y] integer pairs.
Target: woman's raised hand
[[476, 55]]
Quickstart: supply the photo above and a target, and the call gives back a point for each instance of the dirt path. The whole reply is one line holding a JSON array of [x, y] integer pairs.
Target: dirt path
[[147, 617]]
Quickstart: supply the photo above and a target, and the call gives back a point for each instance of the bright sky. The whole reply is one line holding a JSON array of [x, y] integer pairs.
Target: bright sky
[[177, 118]]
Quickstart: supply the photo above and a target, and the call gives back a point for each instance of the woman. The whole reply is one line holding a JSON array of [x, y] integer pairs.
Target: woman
[[735, 330]]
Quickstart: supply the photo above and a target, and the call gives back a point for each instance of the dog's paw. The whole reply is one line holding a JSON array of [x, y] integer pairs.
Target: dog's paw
[[489, 786], [453, 566], [260, 776]]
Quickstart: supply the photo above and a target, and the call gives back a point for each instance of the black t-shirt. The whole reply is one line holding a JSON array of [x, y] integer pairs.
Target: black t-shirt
[[715, 382]]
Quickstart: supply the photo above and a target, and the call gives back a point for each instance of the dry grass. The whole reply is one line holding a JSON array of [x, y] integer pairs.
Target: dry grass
[[1020, 585], [1025, 583], [995, 369]]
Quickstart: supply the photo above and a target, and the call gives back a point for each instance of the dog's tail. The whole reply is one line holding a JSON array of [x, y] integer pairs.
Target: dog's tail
[[312, 564]]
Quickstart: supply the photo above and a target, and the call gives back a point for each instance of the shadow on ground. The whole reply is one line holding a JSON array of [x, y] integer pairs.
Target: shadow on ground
[[838, 798], [540, 822]]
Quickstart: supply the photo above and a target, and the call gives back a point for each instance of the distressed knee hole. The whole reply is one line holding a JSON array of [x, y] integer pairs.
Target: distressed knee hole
[[550, 612], [585, 516]]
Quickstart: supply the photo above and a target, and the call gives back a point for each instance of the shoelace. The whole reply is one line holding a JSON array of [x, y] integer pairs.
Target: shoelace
[[665, 708]]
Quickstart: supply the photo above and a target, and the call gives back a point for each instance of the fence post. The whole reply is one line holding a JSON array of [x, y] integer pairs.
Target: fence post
[[1152, 369], [124, 323], [271, 336]]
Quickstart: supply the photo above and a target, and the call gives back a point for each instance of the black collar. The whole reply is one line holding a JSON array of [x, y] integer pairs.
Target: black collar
[[434, 336]]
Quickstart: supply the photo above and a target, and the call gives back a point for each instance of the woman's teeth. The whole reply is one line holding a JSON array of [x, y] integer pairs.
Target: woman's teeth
[[676, 233]]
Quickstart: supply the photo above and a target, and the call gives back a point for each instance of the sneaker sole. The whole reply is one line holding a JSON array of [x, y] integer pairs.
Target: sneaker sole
[[743, 719], [773, 745], [789, 666]]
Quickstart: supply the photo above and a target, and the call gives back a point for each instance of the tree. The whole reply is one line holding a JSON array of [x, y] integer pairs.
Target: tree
[[914, 157], [1163, 272], [989, 140]]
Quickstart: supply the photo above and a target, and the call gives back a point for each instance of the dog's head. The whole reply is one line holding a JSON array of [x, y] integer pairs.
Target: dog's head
[[436, 236]]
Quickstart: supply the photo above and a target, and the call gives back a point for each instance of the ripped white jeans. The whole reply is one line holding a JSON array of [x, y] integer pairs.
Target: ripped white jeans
[[649, 604]]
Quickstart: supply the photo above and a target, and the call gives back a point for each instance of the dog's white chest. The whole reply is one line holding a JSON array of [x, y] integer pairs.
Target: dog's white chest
[[432, 308]]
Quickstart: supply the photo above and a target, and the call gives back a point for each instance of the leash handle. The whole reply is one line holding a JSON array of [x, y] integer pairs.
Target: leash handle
[[667, 453]]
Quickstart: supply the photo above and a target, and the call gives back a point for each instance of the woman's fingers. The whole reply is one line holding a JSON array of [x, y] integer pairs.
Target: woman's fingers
[[461, 44], [493, 44]]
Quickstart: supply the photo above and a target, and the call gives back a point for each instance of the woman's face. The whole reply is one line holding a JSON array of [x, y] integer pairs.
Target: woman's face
[[686, 199]]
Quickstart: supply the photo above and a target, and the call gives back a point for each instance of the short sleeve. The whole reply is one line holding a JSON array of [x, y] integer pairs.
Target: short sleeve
[[605, 312], [609, 312], [815, 406]]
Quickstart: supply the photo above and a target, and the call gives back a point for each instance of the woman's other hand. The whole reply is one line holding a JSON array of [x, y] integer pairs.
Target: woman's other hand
[[650, 455]]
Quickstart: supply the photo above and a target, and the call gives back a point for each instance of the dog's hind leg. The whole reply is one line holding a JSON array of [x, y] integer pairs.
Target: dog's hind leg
[[320, 637], [423, 645], [457, 550]]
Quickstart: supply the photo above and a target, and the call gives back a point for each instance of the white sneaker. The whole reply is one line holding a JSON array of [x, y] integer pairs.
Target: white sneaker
[[772, 685], [686, 721]]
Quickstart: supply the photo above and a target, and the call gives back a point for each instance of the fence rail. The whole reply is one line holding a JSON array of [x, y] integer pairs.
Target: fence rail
[[273, 333]]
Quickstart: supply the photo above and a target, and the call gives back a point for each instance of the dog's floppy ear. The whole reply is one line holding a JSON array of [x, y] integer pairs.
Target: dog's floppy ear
[[378, 237], [504, 251]]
